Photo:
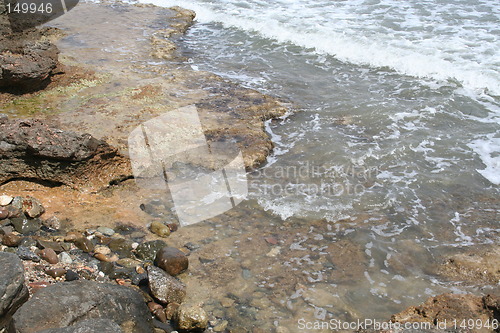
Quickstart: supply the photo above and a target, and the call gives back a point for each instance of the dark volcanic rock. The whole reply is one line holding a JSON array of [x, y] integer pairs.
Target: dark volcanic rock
[[89, 326], [165, 288], [171, 260], [71, 303], [32, 149], [13, 292]]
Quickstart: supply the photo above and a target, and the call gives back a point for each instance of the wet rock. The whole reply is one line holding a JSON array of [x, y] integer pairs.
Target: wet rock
[[107, 268], [71, 275], [27, 242], [121, 246], [160, 229], [68, 303], [84, 244], [221, 326], [165, 288], [106, 231], [191, 317], [32, 207], [13, 292], [89, 326], [56, 246], [5, 200], [56, 272], [24, 253], [32, 149], [157, 310], [11, 239], [128, 263], [25, 225], [446, 308], [171, 260], [102, 249], [147, 250], [49, 255], [105, 258], [171, 309]]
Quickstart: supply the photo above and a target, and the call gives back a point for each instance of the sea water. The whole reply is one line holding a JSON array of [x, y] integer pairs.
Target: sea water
[[397, 116]]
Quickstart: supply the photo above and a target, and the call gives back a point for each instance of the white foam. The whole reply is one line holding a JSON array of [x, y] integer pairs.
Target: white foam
[[488, 150]]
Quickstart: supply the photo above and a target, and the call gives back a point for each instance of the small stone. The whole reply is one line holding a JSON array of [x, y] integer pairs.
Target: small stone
[[157, 310], [27, 242], [227, 302], [128, 263], [56, 246], [52, 223], [17, 202], [147, 250], [56, 272], [106, 267], [36, 286], [172, 260], [24, 225], [160, 229], [274, 252], [173, 226], [121, 246], [102, 249], [191, 246], [165, 288], [71, 236], [4, 213], [103, 257], [271, 240], [221, 326], [171, 309], [65, 258], [84, 244], [11, 239], [191, 317], [32, 207], [5, 200], [106, 231], [71, 275], [24, 253], [49, 255]]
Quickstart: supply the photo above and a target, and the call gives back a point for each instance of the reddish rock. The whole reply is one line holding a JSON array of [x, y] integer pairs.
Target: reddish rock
[[49, 255], [172, 260], [11, 239], [4, 213], [56, 272]]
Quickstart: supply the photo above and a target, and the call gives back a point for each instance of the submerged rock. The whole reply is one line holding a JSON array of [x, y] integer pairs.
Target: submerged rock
[[71, 303], [165, 288], [191, 317], [172, 260], [148, 250], [160, 229]]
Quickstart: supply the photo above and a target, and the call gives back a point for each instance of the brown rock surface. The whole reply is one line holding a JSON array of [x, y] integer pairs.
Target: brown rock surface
[[172, 260]]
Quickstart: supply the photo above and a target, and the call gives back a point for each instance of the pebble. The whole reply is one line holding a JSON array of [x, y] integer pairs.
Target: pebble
[[4, 213], [49, 255], [103, 257], [102, 249], [84, 244], [24, 225], [56, 272], [52, 223], [32, 207], [65, 258], [271, 240], [106, 231], [27, 242], [11, 239], [274, 252], [35, 286], [147, 250], [172, 260], [128, 263], [227, 302], [191, 317], [221, 326], [71, 275], [157, 310], [160, 229], [121, 246], [5, 200]]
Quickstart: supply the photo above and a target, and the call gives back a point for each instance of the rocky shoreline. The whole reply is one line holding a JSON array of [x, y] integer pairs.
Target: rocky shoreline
[[85, 249]]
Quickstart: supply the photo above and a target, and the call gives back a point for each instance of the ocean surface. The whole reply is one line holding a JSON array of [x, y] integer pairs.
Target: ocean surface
[[397, 116]]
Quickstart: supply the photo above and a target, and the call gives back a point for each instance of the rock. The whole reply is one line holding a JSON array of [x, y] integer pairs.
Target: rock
[[147, 250], [11, 239], [56, 272], [56, 246], [32, 207], [106, 231], [5, 199], [13, 292], [121, 246], [52, 223], [128, 263], [32, 149], [28, 242], [73, 302], [71, 275], [49, 255], [447, 308], [102, 249], [165, 288], [25, 225], [221, 326], [65, 258], [4, 213], [105, 258], [24, 253], [89, 326], [160, 229], [191, 317], [171, 260], [171, 309], [157, 310], [84, 244]]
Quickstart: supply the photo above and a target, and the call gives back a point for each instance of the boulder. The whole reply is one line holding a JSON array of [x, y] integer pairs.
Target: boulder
[[35, 150], [172, 260], [13, 291], [165, 288], [70, 303], [88, 326]]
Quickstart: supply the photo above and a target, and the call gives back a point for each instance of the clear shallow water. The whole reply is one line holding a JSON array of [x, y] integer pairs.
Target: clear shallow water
[[399, 120]]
